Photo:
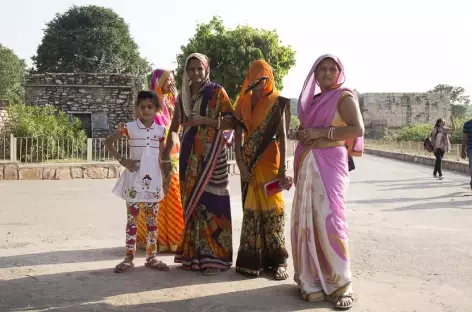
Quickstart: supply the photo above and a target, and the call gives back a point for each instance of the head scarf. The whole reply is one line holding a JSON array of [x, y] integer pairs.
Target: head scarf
[[311, 86], [156, 79], [154, 83], [259, 70], [186, 97]]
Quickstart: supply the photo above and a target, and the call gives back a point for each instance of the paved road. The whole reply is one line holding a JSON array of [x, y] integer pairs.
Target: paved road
[[410, 243]]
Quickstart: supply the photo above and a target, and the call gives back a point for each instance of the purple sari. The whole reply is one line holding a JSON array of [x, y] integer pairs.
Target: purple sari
[[319, 228]]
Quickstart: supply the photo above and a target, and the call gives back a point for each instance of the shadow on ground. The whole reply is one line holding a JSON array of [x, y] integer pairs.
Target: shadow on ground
[[277, 298], [88, 291], [453, 204], [58, 257]]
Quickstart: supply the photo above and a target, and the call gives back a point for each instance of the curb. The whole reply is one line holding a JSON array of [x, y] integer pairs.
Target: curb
[[454, 165]]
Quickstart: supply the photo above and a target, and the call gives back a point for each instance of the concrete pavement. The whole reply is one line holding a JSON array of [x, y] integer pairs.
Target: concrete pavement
[[410, 243]]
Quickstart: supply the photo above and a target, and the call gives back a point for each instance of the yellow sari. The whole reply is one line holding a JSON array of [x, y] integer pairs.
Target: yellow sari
[[262, 244]]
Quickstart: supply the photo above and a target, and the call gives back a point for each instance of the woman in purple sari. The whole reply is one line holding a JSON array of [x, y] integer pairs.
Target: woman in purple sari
[[330, 118]]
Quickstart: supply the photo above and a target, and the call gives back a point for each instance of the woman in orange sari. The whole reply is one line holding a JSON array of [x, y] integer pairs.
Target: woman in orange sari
[[170, 220], [261, 114]]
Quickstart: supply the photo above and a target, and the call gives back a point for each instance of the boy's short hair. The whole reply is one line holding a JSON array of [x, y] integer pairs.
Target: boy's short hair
[[148, 95]]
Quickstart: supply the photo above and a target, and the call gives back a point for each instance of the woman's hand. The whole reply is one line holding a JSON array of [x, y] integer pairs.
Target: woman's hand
[[129, 164], [194, 120], [166, 184], [308, 136], [282, 177], [246, 175], [166, 167]]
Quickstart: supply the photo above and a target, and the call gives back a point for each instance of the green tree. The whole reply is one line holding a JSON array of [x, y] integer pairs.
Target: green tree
[[294, 123], [89, 39], [44, 133], [12, 75], [459, 100], [231, 51]]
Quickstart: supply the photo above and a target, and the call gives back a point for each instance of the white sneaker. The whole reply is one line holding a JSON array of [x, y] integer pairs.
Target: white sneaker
[[441, 178]]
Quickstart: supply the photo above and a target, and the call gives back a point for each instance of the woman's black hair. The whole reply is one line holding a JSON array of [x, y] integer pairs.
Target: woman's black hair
[[438, 122], [436, 127], [148, 95]]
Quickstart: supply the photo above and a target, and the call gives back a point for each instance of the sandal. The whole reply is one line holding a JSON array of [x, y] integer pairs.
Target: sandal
[[211, 271], [280, 274], [343, 302], [124, 266], [155, 264], [315, 296]]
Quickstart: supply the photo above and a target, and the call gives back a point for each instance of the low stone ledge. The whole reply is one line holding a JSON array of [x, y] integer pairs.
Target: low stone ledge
[[453, 165], [60, 171], [72, 171]]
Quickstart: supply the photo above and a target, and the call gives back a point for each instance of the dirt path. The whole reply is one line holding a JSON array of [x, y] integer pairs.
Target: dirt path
[[410, 242]]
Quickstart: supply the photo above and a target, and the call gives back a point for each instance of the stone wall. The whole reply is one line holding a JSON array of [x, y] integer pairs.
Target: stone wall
[[68, 171], [104, 99], [396, 110], [103, 170]]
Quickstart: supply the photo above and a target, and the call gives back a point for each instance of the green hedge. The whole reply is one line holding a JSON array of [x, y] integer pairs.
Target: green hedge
[[422, 131], [51, 134]]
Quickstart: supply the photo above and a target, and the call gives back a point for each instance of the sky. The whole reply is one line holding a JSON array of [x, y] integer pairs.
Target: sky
[[386, 46]]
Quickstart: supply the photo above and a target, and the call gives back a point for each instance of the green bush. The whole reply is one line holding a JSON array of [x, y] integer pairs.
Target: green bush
[[294, 123], [43, 133], [422, 131]]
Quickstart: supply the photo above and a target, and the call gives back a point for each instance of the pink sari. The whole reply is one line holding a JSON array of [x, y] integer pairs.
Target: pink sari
[[319, 227]]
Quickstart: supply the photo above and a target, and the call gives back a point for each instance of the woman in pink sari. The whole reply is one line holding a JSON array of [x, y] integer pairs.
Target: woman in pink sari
[[330, 118]]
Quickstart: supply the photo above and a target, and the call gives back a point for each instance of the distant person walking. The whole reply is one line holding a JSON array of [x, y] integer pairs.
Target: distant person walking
[[467, 146], [441, 143]]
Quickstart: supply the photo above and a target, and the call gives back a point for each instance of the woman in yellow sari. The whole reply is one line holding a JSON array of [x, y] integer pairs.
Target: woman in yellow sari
[[261, 114], [170, 220]]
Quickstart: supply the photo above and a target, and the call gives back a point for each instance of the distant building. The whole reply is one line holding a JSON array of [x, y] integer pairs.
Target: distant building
[[396, 110], [99, 101]]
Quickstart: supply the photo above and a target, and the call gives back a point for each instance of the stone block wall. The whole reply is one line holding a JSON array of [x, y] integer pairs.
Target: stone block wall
[[68, 171], [396, 110], [105, 100]]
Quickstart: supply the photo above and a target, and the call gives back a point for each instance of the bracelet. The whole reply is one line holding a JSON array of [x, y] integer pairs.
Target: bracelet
[[165, 161], [331, 133], [219, 124]]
